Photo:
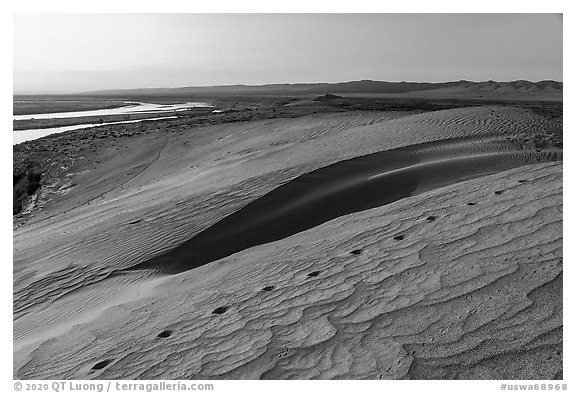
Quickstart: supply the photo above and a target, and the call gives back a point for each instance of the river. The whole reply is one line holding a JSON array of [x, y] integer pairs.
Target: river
[[134, 108]]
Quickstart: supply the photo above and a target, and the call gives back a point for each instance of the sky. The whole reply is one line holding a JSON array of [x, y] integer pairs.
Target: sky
[[56, 53]]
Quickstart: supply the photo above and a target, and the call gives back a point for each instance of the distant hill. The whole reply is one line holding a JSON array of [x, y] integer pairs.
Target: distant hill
[[368, 87], [505, 88]]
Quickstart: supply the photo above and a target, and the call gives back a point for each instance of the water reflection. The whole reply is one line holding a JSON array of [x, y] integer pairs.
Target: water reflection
[[132, 108]]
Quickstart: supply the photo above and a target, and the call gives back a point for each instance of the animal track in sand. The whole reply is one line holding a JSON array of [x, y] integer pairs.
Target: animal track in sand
[[220, 310], [102, 364], [164, 334]]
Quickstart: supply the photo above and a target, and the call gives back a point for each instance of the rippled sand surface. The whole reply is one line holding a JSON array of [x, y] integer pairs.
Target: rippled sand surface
[[459, 278]]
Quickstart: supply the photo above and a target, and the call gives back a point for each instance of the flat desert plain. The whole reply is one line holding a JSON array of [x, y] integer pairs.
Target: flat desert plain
[[359, 244]]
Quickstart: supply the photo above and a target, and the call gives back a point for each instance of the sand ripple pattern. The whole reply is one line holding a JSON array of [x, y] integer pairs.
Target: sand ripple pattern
[[188, 181], [474, 293]]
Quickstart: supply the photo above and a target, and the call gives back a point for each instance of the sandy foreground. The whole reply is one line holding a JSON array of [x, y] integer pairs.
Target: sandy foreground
[[461, 281]]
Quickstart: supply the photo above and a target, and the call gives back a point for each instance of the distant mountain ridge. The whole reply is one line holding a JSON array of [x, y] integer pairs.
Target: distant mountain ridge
[[353, 87]]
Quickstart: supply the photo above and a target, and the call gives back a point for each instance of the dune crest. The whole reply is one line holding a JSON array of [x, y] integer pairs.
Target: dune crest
[[347, 187]]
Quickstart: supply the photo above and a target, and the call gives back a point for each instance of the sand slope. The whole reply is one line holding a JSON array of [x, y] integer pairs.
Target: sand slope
[[156, 192], [474, 293]]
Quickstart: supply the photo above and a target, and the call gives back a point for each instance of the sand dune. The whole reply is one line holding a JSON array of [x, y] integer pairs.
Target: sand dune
[[347, 187], [385, 293], [392, 309]]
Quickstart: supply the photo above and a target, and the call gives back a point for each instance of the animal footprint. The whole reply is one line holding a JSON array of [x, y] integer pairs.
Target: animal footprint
[[165, 334], [102, 364], [220, 310]]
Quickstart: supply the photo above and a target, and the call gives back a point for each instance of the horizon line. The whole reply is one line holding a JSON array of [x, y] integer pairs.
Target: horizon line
[[272, 84]]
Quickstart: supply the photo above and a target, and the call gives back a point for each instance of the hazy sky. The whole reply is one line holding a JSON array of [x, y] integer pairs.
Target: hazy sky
[[71, 52]]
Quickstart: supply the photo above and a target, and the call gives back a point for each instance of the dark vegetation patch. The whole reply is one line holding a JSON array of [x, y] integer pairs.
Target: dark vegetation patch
[[550, 110], [546, 140], [26, 181], [329, 97]]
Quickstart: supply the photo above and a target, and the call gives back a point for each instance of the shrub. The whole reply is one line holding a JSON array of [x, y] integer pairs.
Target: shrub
[[17, 177], [25, 184], [32, 187], [34, 177]]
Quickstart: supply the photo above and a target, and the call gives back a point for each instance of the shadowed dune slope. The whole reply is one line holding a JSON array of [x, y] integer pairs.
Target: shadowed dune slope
[[347, 187], [475, 292]]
